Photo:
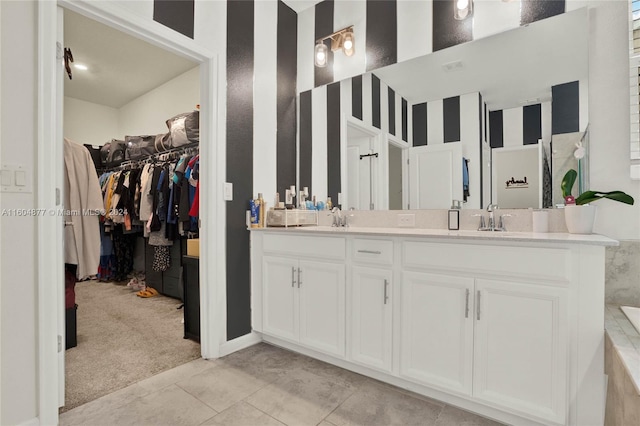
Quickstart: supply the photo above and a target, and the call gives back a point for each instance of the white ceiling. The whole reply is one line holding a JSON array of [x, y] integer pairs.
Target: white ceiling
[[300, 5], [121, 67], [509, 69]]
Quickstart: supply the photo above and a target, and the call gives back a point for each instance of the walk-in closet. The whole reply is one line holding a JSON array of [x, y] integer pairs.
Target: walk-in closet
[[131, 128]]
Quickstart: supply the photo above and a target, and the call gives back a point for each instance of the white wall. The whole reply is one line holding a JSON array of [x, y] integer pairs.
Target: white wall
[[17, 246], [147, 114], [89, 123], [609, 118]]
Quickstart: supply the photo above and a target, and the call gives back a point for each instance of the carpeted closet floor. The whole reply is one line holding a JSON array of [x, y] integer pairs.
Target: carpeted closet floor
[[122, 339]]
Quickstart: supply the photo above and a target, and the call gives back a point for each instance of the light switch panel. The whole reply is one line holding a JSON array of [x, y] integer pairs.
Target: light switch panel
[[21, 178], [228, 191], [7, 178], [15, 178]]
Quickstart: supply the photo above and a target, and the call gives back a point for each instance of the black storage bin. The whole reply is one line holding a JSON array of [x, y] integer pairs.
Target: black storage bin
[[71, 330], [191, 271]]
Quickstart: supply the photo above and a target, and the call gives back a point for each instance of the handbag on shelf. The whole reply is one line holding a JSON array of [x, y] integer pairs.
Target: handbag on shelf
[[140, 146], [117, 152], [162, 142], [184, 128]]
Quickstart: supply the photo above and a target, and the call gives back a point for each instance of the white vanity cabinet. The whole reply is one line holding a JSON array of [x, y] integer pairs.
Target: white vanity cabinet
[[520, 347], [507, 326], [496, 331], [304, 294], [371, 303], [437, 330]]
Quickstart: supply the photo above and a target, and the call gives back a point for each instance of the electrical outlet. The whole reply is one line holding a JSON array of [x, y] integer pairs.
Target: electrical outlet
[[406, 220]]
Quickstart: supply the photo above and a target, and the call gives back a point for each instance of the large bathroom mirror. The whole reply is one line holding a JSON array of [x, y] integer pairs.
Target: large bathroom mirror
[[464, 123]]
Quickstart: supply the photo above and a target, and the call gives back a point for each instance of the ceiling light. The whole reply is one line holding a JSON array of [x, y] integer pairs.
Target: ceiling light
[[462, 9], [342, 39], [80, 67]]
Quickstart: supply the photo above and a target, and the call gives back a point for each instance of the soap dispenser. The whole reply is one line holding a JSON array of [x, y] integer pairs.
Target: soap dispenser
[[454, 216]]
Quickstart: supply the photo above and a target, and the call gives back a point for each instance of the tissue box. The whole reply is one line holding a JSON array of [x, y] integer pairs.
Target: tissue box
[[292, 217], [193, 247]]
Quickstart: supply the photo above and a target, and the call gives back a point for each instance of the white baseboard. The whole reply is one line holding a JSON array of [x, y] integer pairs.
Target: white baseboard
[[33, 422], [240, 343]]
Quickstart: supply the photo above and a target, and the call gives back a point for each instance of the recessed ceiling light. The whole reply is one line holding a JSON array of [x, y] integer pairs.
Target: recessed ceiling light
[[80, 67]]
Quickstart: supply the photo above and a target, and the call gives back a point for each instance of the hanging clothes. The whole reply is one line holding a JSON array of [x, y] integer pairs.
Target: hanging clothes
[[83, 199]]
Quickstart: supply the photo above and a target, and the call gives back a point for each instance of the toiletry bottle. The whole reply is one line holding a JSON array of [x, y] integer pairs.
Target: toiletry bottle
[[254, 213], [454, 216], [329, 203], [261, 211]]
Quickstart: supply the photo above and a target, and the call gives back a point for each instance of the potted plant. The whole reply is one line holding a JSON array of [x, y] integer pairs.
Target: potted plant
[[579, 213]]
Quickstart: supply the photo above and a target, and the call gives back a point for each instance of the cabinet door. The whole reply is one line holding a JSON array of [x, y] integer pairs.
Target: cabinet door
[[371, 320], [437, 330], [322, 306], [279, 301], [520, 359]]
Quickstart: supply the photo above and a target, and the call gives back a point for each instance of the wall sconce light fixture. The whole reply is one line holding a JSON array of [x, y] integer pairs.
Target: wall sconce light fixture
[[342, 39], [463, 9]]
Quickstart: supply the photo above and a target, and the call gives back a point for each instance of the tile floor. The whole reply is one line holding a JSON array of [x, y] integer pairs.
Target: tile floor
[[265, 385]]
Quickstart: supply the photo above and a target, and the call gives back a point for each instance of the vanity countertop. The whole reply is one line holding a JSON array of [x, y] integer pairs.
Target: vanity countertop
[[591, 239]]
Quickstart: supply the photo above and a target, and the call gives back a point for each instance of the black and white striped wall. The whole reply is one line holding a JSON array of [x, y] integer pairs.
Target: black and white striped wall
[[454, 119], [391, 31], [365, 98], [269, 51], [567, 112], [261, 130], [260, 65]]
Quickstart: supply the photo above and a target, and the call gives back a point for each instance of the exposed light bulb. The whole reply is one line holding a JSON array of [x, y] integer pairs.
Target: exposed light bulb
[[462, 4], [321, 55], [348, 44]]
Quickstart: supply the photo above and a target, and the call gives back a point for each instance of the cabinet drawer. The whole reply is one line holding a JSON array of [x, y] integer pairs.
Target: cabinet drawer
[[549, 264], [301, 245], [379, 252]]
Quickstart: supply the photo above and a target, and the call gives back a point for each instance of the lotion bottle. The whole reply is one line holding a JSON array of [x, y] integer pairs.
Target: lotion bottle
[[261, 211]]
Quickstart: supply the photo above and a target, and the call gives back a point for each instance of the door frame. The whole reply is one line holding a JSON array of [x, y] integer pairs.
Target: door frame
[[376, 136], [49, 164], [395, 141]]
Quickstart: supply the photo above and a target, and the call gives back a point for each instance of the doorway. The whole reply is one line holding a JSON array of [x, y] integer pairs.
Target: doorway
[[363, 168], [51, 314]]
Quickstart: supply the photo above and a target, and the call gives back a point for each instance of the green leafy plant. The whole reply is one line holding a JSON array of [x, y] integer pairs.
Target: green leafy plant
[[590, 196]]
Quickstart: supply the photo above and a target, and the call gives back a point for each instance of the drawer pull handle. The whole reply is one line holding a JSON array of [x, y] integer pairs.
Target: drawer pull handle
[[478, 307], [370, 251], [299, 277], [386, 291], [293, 276], [466, 305]]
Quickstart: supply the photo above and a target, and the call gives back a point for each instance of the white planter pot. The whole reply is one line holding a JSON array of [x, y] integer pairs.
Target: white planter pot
[[580, 219]]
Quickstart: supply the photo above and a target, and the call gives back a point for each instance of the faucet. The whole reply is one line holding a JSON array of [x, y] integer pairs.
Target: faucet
[[492, 223], [340, 218], [337, 217], [491, 226]]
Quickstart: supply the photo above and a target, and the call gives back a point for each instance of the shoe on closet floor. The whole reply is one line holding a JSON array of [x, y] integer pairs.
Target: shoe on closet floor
[[149, 292]]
